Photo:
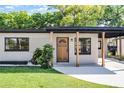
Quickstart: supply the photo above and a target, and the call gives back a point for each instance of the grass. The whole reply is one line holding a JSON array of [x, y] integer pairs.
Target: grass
[[35, 77], [116, 57]]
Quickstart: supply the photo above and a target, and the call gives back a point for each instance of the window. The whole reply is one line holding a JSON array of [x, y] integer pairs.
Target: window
[[84, 46], [99, 44], [16, 44]]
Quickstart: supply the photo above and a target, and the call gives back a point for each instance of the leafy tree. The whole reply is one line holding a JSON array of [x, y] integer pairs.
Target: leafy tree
[[78, 15], [45, 20], [2, 20], [22, 19], [65, 15], [15, 20], [113, 16], [38, 20]]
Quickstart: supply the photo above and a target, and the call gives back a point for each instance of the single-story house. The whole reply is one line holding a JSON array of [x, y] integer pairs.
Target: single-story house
[[73, 45]]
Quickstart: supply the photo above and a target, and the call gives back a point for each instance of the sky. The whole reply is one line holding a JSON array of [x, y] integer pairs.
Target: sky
[[29, 8]]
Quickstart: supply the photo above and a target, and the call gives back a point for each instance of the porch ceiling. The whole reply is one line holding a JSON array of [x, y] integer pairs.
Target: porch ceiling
[[110, 31], [110, 35]]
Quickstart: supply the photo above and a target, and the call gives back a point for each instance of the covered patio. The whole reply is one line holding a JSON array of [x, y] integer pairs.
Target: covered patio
[[103, 32]]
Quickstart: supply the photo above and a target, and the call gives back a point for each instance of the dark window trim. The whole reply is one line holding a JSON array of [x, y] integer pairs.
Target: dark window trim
[[100, 44], [83, 53], [16, 50]]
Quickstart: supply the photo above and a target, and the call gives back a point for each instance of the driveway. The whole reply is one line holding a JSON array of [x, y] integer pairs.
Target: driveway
[[111, 74]]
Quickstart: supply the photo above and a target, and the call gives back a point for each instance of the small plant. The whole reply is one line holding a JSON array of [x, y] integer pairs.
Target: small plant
[[109, 54], [43, 56], [36, 55]]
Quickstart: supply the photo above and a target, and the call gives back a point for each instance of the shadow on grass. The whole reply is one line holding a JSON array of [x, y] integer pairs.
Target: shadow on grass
[[26, 70]]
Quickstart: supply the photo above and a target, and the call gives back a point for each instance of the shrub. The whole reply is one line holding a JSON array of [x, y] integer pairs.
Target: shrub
[[36, 55], [44, 56], [109, 54]]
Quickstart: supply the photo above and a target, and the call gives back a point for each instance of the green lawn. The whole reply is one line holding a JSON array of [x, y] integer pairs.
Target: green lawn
[[35, 77]]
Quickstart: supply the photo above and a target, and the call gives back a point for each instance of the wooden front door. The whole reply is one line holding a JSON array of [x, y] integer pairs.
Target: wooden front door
[[62, 49]]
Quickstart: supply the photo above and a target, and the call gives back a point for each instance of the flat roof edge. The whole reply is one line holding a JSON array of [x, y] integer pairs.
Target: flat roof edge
[[67, 30]]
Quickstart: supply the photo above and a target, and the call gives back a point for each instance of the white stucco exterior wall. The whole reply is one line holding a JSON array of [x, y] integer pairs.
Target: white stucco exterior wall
[[37, 40], [106, 48], [122, 47]]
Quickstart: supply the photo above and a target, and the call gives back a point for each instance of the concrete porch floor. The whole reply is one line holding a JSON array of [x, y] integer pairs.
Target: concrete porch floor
[[111, 74]]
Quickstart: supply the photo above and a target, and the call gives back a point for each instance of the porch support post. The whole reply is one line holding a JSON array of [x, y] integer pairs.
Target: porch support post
[[120, 47], [117, 46], [51, 42], [77, 49], [103, 49], [51, 37]]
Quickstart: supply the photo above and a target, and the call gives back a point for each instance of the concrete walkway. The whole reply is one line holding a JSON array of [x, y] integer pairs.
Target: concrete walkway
[[111, 74]]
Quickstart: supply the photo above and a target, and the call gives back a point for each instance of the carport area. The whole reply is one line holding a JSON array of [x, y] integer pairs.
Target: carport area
[[111, 74], [108, 33]]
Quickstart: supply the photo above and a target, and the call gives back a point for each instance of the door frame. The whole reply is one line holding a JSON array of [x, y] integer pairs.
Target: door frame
[[57, 50]]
